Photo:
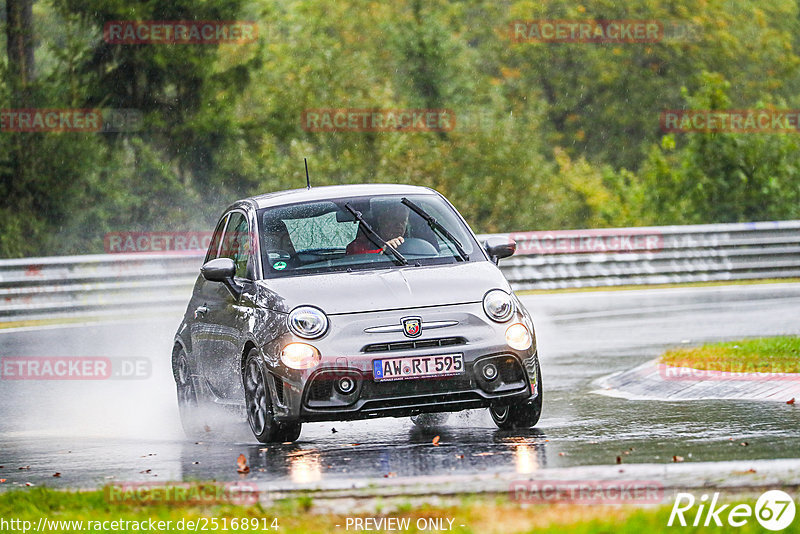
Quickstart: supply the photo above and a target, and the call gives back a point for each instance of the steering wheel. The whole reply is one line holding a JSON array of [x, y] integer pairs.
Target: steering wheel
[[414, 246]]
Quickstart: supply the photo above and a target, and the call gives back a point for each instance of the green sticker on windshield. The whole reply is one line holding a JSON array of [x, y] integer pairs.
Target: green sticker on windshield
[[279, 265]]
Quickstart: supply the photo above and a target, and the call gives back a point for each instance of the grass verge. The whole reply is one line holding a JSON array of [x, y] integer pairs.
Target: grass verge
[[472, 514], [759, 355]]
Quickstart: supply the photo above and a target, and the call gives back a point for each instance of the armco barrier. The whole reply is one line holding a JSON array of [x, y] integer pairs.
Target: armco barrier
[[95, 284], [654, 255], [123, 283]]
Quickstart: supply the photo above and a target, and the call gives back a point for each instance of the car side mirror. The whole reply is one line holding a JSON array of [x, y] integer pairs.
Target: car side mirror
[[500, 247], [222, 270]]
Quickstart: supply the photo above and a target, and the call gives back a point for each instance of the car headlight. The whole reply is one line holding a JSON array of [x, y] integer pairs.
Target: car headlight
[[300, 356], [498, 305], [308, 322], [518, 337]]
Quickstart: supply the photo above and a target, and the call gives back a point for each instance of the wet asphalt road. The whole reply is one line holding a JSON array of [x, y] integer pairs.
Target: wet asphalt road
[[95, 432]]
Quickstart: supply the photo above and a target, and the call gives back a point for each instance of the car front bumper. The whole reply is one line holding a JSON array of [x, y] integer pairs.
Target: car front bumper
[[316, 395]]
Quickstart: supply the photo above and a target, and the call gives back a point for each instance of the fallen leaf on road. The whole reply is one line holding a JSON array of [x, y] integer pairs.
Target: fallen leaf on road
[[677, 458], [436, 441], [241, 461], [748, 472], [790, 401], [25, 467], [145, 472], [56, 475]]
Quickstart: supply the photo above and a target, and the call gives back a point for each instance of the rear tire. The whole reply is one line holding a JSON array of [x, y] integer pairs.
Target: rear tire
[[521, 415], [188, 405], [427, 420]]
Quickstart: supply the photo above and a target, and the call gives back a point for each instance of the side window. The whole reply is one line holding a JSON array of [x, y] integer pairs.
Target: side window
[[213, 248], [236, 244]]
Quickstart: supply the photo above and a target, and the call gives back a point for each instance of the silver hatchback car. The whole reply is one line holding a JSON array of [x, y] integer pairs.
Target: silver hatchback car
[[353, 302]]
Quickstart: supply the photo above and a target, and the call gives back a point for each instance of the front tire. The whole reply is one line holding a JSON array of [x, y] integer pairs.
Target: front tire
[[522, 415], [258, 405]]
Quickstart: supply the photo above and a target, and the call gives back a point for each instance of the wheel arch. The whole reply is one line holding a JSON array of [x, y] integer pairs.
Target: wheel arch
[[248, 346]]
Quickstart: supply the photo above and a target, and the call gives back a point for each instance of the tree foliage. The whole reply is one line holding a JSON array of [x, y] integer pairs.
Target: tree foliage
[[547, 135]]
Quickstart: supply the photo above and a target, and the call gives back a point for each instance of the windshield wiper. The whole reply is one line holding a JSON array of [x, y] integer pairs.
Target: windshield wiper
[[374, 237], [437, 226]]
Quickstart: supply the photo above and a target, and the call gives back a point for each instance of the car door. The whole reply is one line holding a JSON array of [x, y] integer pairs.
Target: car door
[[227, 317], [205, 292]]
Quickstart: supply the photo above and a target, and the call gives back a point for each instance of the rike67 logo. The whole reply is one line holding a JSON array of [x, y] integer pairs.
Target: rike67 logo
[[774, 511]]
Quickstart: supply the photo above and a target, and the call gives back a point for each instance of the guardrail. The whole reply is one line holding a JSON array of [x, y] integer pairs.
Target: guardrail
[[654, 255], [123, 284]]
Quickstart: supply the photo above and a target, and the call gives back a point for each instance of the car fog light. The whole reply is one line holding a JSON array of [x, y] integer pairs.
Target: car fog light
[[346, 385], [518, 337], [489, 371], [300, 356]]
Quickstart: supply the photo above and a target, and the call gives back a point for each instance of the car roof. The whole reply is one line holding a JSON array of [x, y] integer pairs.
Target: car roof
[[279, 198]]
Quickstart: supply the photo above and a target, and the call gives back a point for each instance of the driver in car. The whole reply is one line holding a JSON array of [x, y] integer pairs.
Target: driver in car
[[390, 225], [275, 237]]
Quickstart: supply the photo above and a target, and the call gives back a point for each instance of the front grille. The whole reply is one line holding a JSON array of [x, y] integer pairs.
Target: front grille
[[414, 344], [321, 389]]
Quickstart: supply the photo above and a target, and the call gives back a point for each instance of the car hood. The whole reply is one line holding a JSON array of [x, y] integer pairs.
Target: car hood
[[387, 289]]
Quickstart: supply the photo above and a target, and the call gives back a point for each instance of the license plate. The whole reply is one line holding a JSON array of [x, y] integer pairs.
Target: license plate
[[410, 367]]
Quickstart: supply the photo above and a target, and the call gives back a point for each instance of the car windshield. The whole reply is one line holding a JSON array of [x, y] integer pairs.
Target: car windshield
[[356, 233]]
